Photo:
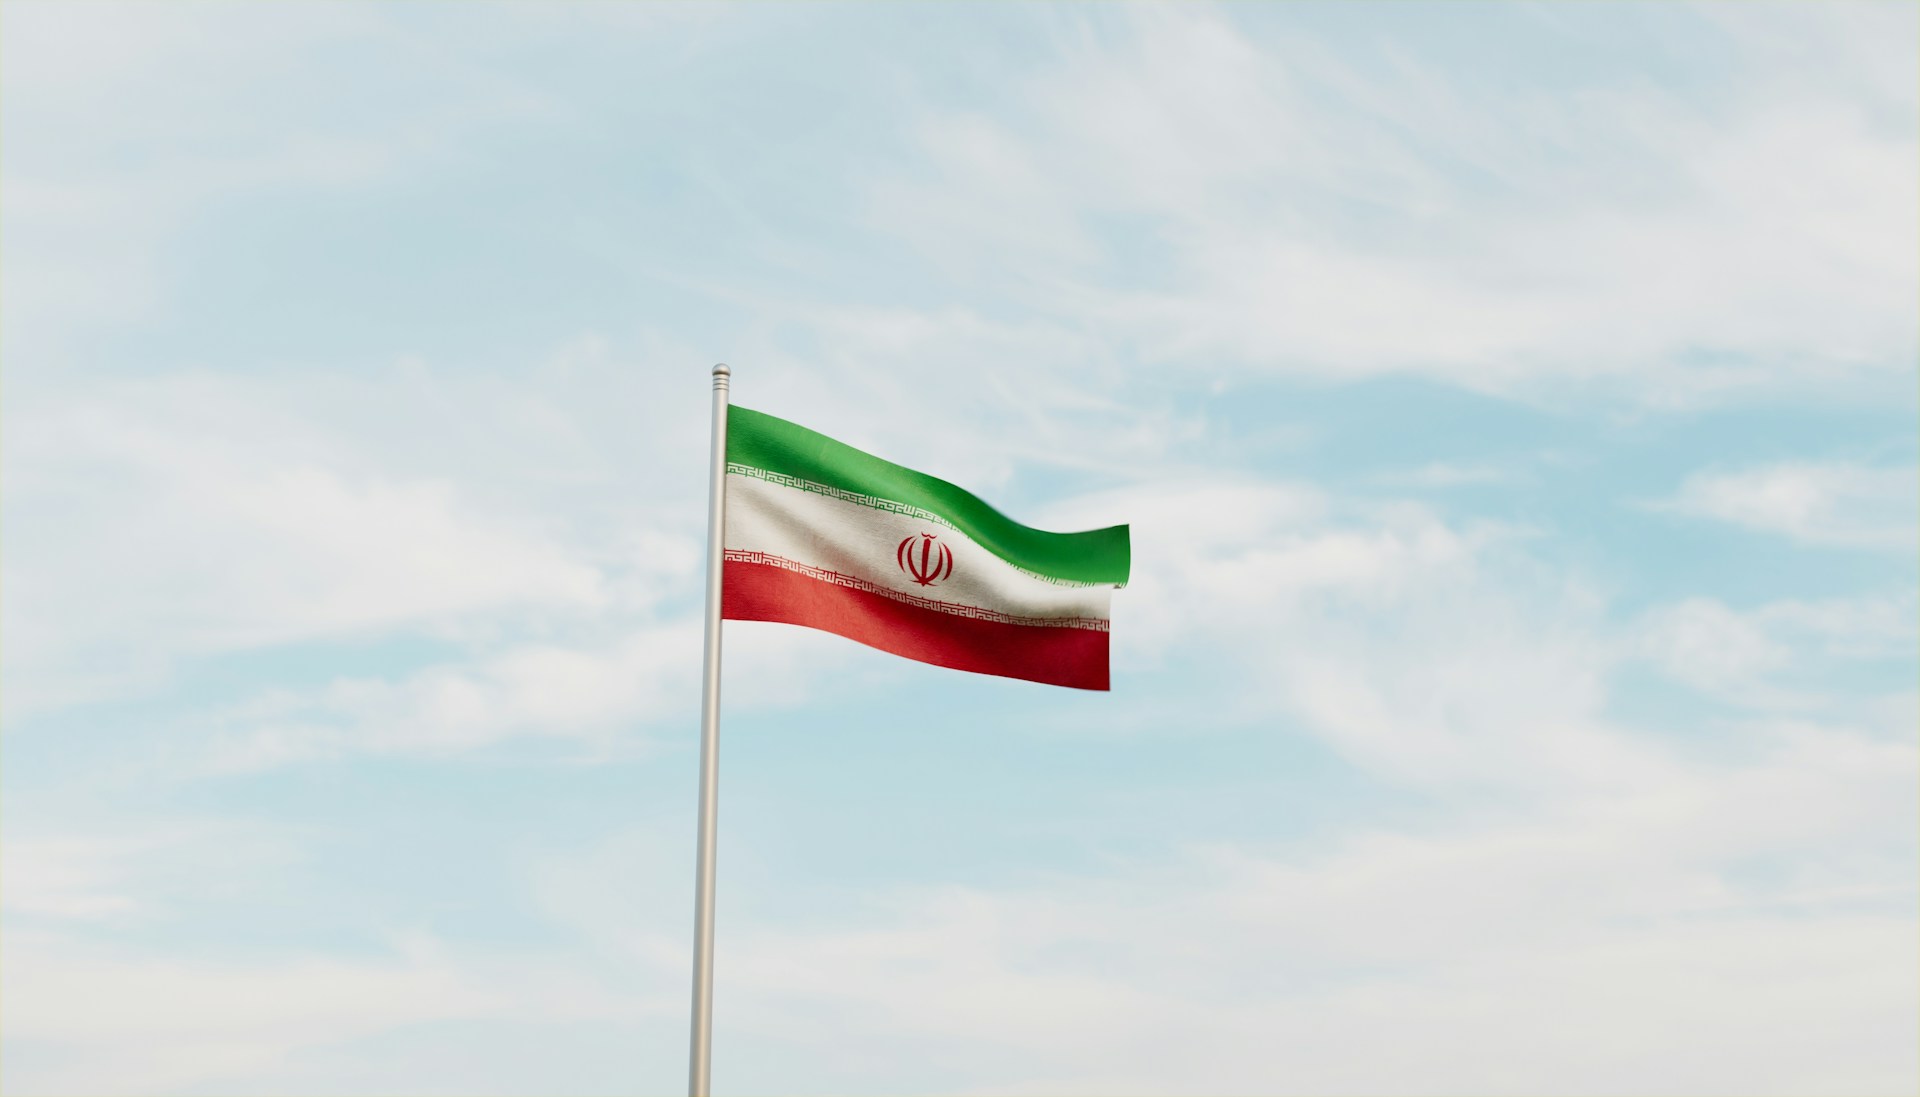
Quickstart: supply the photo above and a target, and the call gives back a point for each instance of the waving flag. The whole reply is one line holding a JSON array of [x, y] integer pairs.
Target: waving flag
[[820, 534]]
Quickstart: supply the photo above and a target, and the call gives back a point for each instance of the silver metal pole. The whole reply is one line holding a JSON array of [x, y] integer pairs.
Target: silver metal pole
[[702, 1051]]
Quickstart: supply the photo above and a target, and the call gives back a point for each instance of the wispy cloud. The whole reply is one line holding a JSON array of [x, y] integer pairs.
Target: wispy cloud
[[1771, 656], [1504, 945], [1445, 474], [94, 1010], [1331, 218], [1427, 652], [1833, 503], [169, 518], [104, 1019]]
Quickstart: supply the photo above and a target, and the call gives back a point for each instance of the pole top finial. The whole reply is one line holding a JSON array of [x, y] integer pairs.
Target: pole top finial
[[721, 370]]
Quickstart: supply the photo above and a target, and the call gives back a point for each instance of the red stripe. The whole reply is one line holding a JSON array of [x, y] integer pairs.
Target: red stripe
[[1074, 657]]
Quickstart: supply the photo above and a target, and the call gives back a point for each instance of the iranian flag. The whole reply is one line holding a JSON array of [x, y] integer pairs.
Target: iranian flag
[[820, 534]]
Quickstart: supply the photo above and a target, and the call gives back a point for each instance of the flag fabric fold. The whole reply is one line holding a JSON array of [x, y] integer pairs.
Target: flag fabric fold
[[823, 535]]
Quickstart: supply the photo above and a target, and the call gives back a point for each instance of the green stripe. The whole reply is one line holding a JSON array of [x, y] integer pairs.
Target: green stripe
[[760, 440]]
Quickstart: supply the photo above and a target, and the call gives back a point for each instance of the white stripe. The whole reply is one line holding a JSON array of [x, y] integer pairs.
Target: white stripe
[[841, 536], [878, 503], [873, 501]]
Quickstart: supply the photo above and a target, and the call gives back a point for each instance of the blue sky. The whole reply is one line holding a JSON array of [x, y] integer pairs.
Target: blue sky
[[1514, 405]]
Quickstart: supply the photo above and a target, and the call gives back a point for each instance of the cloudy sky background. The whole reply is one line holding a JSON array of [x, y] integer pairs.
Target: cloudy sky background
[[1514, 406]]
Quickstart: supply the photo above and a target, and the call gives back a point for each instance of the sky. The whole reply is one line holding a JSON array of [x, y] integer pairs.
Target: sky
[[1514, 406]]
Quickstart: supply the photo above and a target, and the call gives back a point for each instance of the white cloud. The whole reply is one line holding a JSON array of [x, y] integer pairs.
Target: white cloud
[[1819, 503], [1319, 218], [1709, 646], [67, 877], [86, 1018], [1559, 951], [158, 520], [1558, 948], [588, 693], [129, 124], [1881, 627], [1429, 653], [120, 876], [185, 516], [1447, 474], [1771, 656], [94, 1009]]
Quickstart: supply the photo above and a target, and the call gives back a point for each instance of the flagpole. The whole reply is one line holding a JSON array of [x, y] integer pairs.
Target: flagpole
[[702, 1049]]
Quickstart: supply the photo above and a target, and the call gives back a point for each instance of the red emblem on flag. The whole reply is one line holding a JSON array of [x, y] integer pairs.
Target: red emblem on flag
[[924, 558]]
